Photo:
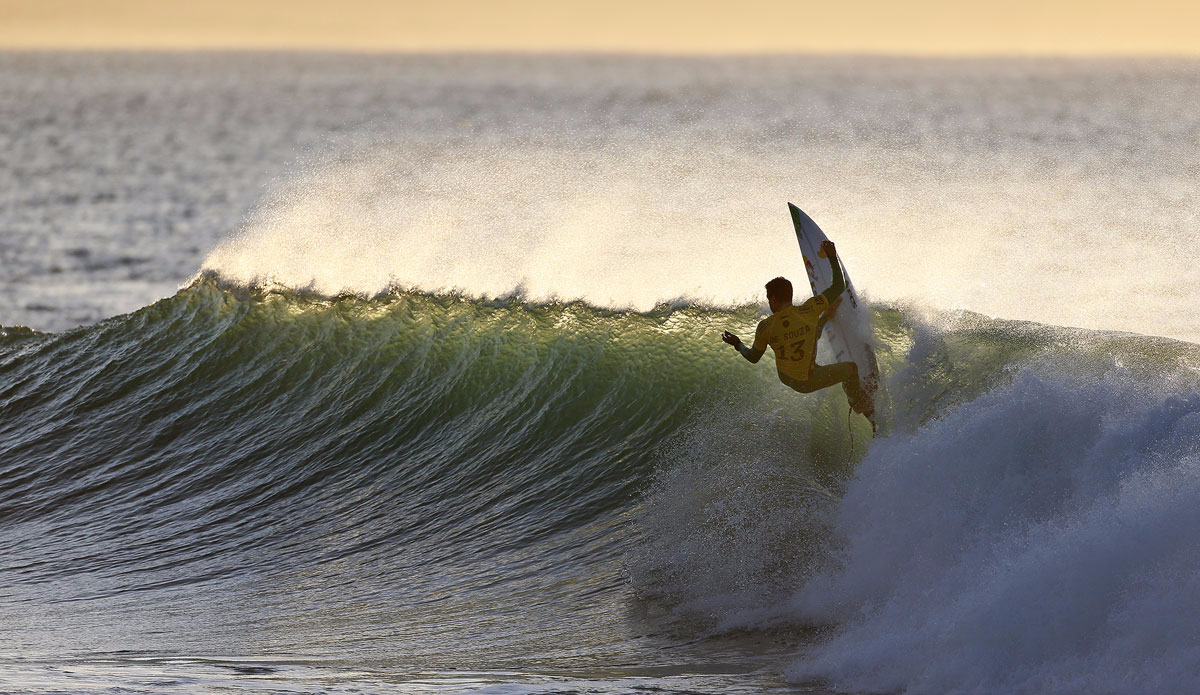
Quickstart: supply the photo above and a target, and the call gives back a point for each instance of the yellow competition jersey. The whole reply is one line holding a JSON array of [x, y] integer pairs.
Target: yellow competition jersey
[[792, 334]]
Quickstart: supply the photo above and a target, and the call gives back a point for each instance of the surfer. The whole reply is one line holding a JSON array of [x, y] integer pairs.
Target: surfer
[[792, 333]]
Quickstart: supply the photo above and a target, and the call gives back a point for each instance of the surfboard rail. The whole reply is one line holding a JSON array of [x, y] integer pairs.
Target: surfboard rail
[[847, 331]]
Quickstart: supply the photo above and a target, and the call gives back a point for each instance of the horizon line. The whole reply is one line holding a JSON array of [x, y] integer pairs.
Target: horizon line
[[598, 52]]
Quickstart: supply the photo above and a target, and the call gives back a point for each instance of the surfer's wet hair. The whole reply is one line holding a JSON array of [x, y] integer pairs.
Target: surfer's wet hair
[[779, 288]]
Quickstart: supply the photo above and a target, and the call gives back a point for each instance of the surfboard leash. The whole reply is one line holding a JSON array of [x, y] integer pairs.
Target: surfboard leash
[[850, 429]]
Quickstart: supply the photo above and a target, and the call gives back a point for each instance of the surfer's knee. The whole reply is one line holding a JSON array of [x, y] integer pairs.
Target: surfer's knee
[[797, 385]]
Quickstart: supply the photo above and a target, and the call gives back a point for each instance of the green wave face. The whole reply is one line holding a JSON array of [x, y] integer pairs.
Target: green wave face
[[460, 458], [422, 385]]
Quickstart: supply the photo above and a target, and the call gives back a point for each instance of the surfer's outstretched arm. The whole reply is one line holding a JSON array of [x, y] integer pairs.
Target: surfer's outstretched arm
[[753, 354], [839, 281]]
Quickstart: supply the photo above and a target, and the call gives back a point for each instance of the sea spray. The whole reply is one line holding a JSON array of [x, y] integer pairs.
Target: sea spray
[[538, 221], [631, 226]]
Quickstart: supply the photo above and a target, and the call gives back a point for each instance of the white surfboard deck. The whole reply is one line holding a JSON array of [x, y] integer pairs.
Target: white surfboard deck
[[848, 330]]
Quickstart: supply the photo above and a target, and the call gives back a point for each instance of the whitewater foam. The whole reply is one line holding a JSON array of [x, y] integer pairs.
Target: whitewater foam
[[1042, 538]]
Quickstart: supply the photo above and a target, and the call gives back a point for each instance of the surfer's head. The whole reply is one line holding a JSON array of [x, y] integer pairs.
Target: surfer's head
[[779, 293]]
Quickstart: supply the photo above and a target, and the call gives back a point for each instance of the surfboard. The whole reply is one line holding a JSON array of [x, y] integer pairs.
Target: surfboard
[[847, 332]]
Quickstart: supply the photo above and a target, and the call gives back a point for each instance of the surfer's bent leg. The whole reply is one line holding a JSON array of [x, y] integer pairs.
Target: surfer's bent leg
[[824, 376]]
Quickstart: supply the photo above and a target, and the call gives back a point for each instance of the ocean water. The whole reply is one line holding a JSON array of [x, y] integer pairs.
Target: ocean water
[[402, 374]]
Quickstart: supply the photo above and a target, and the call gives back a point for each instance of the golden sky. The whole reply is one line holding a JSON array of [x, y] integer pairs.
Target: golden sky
[[1070, 27]]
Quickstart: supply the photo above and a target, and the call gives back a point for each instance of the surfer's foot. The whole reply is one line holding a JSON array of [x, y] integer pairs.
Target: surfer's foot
[[864, 405]]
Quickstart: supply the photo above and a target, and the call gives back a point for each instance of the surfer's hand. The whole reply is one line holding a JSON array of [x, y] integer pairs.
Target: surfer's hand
[[731, 339], [828, 249]]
